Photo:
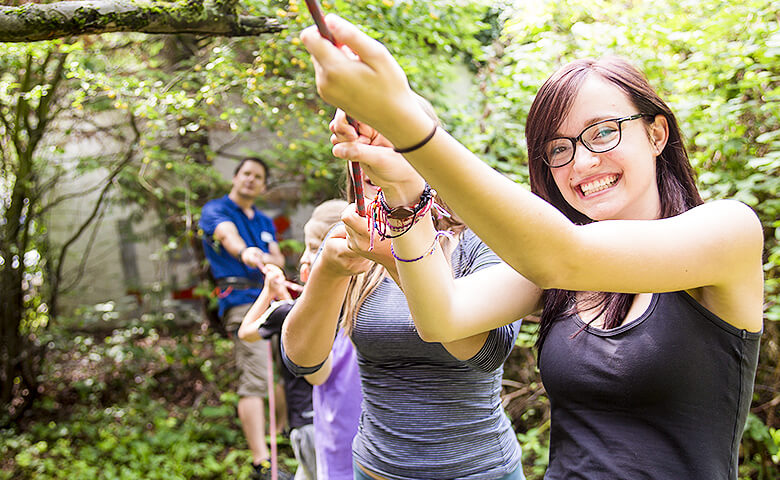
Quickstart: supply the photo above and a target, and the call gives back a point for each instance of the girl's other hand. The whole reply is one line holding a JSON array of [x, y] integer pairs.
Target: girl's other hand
[[275, 282], [337, 258], [359, 239], [387, 169]]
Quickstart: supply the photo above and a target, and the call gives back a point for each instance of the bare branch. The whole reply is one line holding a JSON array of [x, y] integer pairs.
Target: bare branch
[[69, 196], [5, 144], [43, 112], [32, 21], [85, 257], [21, 106], [57, 276]]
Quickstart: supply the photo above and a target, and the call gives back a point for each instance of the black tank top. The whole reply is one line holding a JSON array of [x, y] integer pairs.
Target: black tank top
[[665, 396]]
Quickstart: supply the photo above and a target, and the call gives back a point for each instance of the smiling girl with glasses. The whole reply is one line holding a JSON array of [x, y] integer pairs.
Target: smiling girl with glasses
[[651, 300]]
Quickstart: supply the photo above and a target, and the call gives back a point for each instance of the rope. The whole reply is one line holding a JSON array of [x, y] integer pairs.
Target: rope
[[272, 414]]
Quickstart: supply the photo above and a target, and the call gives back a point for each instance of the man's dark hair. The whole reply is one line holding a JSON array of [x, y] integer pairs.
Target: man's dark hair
[[256, 160]]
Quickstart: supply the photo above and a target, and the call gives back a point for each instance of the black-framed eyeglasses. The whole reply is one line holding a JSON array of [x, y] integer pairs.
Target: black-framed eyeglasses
[[600, 137]]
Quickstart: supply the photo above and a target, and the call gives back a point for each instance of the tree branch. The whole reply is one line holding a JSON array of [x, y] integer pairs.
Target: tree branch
[[69, 196], [21, 107], [85, 257], [43, 111], [32, 21], [5, 143], [57, 277]]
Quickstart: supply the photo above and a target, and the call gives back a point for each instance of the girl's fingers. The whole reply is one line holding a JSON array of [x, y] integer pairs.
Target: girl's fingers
[[370, 51], [348, 216], [344, 131], [356, 229], [273, 272], [333, 68], [357, 241], [357, 236], [335, 139], [320, 48], [337, 231], [351, 220], [340, 126], [383, 166], [370, 155]]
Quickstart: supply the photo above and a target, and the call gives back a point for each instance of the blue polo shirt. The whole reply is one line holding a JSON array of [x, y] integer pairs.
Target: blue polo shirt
[[256, 232]]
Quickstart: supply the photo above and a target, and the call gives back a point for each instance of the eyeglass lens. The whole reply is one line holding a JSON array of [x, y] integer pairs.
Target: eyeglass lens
[[597, 138]]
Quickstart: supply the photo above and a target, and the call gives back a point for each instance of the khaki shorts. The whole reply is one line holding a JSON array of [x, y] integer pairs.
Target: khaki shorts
[[251, 357]]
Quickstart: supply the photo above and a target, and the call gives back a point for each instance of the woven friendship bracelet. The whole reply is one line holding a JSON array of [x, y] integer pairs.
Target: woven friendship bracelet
[[380, 212], [440, 233], [403, 212]]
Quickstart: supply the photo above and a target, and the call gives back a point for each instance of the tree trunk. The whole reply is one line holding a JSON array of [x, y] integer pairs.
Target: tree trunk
[[10, 340], [32, 22], [19, 363], [13, 236]]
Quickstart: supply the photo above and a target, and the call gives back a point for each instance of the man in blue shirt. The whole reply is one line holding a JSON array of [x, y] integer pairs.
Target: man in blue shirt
[[239, 240]]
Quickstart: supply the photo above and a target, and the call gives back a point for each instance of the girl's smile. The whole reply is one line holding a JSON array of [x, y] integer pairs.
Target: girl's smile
[[592, 187]]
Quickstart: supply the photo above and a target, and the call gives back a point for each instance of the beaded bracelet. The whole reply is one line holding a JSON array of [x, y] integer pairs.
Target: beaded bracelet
[[440, 233]]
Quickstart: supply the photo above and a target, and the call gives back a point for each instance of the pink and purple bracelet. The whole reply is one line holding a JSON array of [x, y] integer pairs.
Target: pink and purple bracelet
[[440, 233]]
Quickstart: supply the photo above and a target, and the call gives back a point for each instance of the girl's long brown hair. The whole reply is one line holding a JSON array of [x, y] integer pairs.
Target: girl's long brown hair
[[674, 175]]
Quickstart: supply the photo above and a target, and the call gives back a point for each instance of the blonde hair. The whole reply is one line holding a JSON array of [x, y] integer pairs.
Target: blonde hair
[[364, 284], [322, 219]]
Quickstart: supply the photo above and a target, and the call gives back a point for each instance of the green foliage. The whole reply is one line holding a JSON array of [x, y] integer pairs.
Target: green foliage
[[278, 90], [179, 89], [761, 450], [141, 402], [162, 100], [716, 63], [536, 450]]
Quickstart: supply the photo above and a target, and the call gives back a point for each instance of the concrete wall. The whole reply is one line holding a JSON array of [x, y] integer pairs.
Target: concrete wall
[[129, 262]]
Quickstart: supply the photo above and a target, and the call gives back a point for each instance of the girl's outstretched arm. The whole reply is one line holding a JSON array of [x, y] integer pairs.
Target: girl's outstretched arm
[[310, 327], [455, 312], [713, 251]]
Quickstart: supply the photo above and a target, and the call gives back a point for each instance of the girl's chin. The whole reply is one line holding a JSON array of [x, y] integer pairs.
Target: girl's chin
[[597, 212]]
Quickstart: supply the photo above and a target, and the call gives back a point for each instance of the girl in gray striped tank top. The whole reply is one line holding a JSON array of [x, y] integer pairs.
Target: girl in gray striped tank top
[[431, 410]]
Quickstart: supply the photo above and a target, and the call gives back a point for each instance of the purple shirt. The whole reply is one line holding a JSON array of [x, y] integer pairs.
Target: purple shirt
[[337, 412]]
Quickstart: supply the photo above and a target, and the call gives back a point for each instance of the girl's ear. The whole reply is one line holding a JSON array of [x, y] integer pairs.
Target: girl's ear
[[659, 133]]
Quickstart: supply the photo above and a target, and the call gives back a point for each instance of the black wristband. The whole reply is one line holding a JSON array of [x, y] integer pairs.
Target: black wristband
[[241, 252], [418, 145]]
